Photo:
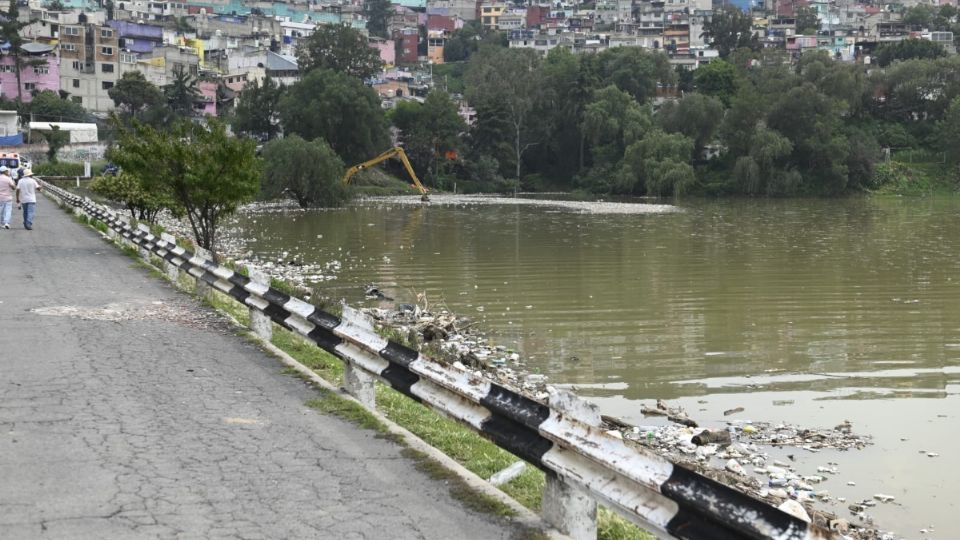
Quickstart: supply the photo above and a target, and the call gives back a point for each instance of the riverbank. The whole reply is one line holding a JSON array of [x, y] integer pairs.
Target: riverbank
[[743, 303]]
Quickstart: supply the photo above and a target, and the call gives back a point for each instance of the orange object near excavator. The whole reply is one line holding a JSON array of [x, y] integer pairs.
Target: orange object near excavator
[[396, 151]]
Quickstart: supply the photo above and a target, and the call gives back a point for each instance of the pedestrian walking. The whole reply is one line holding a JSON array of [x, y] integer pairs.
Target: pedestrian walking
[[7, 189], [27, 189]]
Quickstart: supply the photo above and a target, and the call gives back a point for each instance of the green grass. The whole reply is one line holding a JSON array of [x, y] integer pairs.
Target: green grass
[[321, 362], [916, 178]]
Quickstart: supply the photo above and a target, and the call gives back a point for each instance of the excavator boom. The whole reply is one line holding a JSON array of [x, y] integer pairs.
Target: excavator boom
[[396, 151]]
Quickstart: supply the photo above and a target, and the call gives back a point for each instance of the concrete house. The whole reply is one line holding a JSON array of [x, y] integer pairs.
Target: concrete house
[[39, 70]]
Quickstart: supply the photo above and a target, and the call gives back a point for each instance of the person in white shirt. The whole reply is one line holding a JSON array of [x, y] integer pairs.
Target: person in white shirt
[[27, 189], [7, 188]]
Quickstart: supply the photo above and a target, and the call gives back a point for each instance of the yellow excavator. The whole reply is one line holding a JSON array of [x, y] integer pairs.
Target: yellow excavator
[[396, 151]]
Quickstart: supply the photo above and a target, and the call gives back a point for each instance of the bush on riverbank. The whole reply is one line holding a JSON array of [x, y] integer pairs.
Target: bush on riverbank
[[925, 178]]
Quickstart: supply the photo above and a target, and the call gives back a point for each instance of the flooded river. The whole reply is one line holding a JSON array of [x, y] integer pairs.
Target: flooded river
[[811, 312]]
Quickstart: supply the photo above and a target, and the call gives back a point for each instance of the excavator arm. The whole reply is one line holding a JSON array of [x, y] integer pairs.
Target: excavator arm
[[396, 151]]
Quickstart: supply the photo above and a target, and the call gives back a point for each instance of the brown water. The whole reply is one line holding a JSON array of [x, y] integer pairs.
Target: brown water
[[850, 309]]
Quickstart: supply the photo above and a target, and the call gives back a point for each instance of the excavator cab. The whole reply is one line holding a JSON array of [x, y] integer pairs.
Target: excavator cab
[[398, 152]]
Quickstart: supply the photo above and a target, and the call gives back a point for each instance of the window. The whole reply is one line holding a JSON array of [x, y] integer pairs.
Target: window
[[71, 30], [76, 65], [68, 46], [105, 33], [128, 58], [106, 68], [30, 87], [107, 51], [76, 83], [106, 85], [41, 70]]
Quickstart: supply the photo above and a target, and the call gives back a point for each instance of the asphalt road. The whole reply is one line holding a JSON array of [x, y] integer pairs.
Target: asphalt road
[[129, 411]]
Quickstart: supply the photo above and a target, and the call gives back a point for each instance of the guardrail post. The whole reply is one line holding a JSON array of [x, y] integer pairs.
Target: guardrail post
[[260, 323], [565, 506], [125, 220], [144, 252], [357, 382], [172, 271], [202, 289]]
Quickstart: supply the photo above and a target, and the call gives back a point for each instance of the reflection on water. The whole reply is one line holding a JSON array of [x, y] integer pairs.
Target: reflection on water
[[840, 301]]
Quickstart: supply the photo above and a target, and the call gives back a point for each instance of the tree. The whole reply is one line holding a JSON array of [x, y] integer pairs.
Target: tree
[[339, 109], [808, 22], [429, 131], [338, 48], [205, 173], [378, 16], [948, 132], [919, 15], [50, 107], [128, 190], [909, 49], [56, 139], [182, 92], [133, 94], [612, 122], [511, 80], [697, 116], [310, 172], [634, 70], [258, 110], [717, 79], [10, 26], [729, 29], [659, 163]]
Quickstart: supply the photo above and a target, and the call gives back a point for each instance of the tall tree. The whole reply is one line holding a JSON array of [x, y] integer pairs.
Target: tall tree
[[428, 131], [717, 79], [338, 108], [909, 49], [133, 94], [697, 116], [257, 111], [56, 139], [808, 21], [338, 48], [634, 70], [310, 172], [509, 80], [182, 92], [729, 29], [206, 173], [378, 16], [10, 26]]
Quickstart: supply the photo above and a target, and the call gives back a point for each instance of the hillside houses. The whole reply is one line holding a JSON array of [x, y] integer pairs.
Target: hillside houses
[[226, 44]]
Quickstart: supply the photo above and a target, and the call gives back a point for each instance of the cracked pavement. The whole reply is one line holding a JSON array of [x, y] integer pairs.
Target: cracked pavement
[[173, 427]]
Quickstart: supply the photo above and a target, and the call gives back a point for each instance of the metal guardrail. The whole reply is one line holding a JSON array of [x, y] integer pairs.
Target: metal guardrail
[[563, 438]]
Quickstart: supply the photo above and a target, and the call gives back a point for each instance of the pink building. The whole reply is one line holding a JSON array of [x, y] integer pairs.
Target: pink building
[[208, 98], [387, 50], [32, 78]]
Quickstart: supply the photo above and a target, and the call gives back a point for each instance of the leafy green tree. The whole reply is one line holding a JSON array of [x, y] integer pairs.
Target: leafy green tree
[[338, 48], [571, 87], [729, 29], [909, 49], [48, 106], [205, 173], [660, 163], [257, 112], [339, 109], [808, 22], [56, 139], [509, 80], [948, 132], [128, 190], [919, 15], [697, 116], [612, 122], [717, 79], [634, 70], [10, 26], [310, 172], [378, 16], [182, 92], [133, 95], [755, 171], [469, 39], [428, 131]]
